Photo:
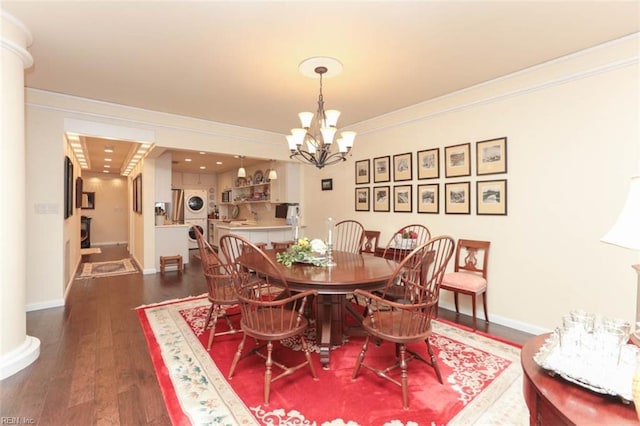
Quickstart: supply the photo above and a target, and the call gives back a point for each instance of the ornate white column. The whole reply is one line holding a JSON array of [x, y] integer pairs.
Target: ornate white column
[[17, 350]]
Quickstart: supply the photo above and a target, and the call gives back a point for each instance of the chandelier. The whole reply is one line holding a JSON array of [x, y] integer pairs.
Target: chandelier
[[314, 142]]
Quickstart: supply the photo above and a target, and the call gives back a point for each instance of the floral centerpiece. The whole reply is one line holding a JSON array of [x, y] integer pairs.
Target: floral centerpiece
[[406, 239], [304, 251]]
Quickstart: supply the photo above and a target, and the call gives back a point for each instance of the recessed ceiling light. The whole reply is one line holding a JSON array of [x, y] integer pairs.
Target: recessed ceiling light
[[202, 167], [188, 160], [107, 166], [202, 153], [105, 171], [108, 149], [218, 162], [107, 159]]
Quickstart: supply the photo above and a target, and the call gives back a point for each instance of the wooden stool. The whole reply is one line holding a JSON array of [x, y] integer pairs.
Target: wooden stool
[[281, 245], [261, 246], [167, 260]]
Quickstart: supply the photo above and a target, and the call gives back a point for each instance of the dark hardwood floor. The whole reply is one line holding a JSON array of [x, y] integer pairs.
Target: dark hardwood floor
[[94, 367]]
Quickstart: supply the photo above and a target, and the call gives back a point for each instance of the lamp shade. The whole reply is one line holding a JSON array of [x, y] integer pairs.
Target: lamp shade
[[626, 231]]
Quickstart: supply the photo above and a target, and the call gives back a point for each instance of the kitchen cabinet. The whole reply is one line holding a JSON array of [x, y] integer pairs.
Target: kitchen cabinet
[[286, 189]]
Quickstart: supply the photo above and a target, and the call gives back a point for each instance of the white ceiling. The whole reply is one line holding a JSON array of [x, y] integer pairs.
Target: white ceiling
[[237, 62]]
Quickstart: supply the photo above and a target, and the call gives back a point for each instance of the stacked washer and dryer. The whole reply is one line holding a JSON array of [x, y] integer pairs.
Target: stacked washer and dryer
[[195, 213]]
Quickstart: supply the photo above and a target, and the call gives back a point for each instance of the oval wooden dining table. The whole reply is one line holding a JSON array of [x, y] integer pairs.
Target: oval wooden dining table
[[333, 284]]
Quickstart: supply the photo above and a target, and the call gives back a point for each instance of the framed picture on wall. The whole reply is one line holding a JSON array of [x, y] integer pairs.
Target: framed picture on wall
[[491, 156], [381, 198], [362, 199], [78, 192], [327, 184], [402, 198], [428, 196], [491, 197], [456, 198], [68, 187], [457, 160], [362, 172], [137, 194], [429, 164], [402, 167], [381, 172]]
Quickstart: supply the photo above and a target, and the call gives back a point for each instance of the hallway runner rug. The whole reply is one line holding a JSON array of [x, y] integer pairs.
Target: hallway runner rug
[[107, 269], [482, 378]]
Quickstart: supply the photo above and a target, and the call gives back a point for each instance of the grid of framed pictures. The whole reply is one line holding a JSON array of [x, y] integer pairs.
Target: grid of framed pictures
[[490, 195]]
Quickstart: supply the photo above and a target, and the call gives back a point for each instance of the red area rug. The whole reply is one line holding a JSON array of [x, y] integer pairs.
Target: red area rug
[[482, 379]]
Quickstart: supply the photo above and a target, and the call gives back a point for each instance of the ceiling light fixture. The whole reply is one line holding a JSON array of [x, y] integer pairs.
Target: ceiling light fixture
[[108, 149], [241, 171], [313, 142]]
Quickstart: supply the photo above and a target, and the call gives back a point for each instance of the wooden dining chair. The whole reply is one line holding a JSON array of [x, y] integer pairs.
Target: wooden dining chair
[[220, 290], [370, 242], [409, 320], [397, 252], [469, 275], [270, 312], [348, 236], [419, 234]]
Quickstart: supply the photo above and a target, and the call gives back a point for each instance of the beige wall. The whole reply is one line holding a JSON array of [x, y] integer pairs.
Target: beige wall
[[573, 143], [109, 218]]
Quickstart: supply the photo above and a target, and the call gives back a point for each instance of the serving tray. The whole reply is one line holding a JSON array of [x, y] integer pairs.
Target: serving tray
[[587, 372]]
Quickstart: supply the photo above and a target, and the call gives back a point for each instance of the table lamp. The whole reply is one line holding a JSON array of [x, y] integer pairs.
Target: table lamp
[[626, 231]]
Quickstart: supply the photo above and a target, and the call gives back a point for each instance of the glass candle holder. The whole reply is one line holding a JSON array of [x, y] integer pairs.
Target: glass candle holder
[[329, 225]]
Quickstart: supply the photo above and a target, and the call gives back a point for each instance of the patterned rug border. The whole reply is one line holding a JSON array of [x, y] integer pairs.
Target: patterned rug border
[[87, 270], [501, 403]]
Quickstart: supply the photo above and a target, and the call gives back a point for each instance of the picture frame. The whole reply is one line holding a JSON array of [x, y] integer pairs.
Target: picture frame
[[491, 197], [363, 174], [381, 172], [428, 198], [68, 187], [79, 192], [428, 163], [362, 199], [402, 167], [381, 198], [88, 200], [491, 156], [457, 197], [327, 184], [457, 160], [402, 200], [137, 194]]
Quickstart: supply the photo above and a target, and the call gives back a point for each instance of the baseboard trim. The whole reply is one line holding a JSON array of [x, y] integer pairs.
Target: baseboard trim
[[56, 303], [20, 358], [497, 319]]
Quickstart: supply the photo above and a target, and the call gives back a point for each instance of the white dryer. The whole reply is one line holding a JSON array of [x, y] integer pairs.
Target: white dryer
[[195, 204], [201, 224]]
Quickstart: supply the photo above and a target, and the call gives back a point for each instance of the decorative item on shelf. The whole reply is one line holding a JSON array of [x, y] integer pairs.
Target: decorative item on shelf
[[304, 251], [241, 171], [258, 178], [313, 142]]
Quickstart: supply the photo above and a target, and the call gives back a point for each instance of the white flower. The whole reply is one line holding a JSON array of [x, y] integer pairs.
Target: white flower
[[318, 246]]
